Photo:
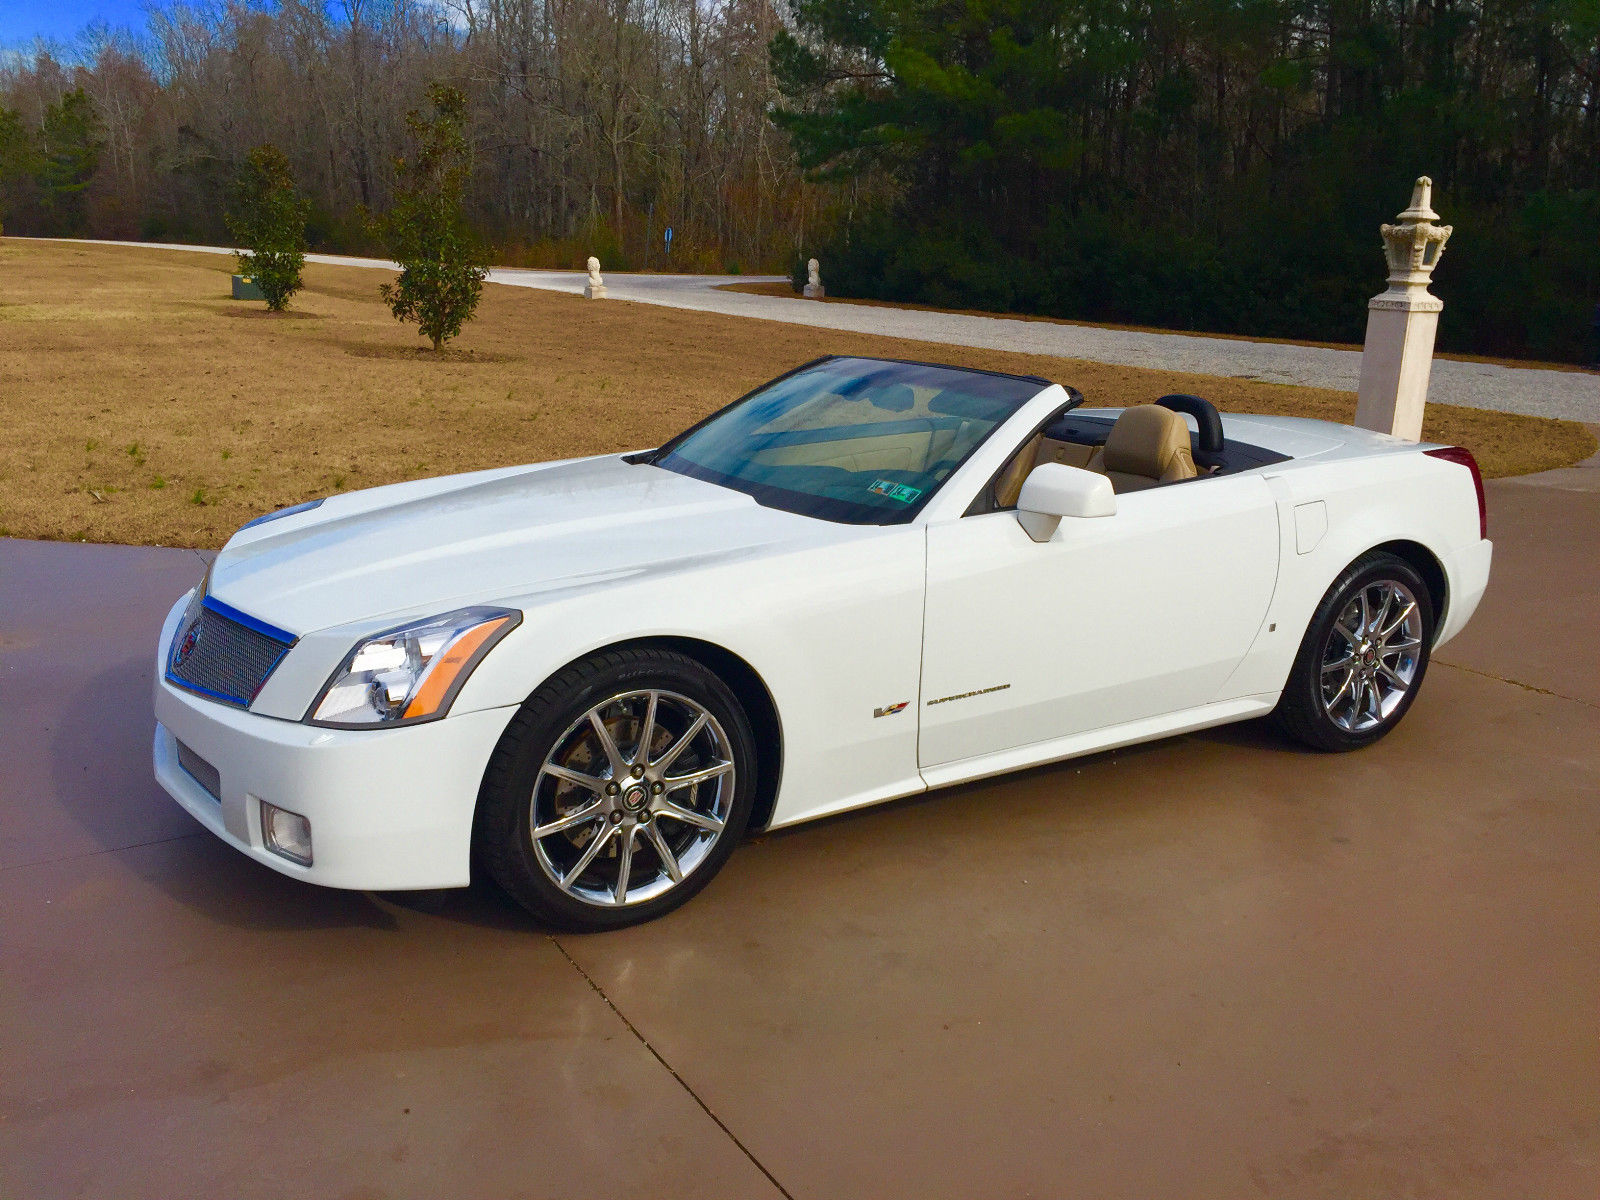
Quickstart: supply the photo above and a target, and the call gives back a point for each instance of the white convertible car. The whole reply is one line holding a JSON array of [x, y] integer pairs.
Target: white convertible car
[[866, 579]]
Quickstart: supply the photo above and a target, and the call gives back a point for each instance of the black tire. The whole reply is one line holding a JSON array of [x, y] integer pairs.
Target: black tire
[[554, 717], [1304, 711]]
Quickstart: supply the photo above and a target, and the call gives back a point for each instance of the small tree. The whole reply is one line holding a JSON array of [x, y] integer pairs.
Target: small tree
[[442, 266], [268, 215]]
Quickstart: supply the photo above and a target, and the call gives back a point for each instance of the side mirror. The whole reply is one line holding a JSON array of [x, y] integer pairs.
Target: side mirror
[[1055, 490]]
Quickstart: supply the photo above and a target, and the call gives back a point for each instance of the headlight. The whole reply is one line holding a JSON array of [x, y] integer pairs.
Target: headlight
[[191, 612], [412, 673], [282, 512]]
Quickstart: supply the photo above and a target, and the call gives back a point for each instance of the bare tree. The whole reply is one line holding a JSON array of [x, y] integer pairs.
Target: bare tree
[[595, 122]]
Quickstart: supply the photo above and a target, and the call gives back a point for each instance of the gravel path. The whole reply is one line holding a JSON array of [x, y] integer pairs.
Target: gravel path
[[1574, 395]]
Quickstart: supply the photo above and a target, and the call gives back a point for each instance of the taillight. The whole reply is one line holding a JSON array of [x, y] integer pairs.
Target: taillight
[[1463, 457]]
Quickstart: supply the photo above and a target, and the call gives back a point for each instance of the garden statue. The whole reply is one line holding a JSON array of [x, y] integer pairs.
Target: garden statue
[[813, 288]]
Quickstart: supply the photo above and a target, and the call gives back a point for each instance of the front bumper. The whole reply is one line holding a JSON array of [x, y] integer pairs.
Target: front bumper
[[390, 809]]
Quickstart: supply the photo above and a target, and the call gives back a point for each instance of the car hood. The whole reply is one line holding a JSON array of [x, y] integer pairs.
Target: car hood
[[490, 536]]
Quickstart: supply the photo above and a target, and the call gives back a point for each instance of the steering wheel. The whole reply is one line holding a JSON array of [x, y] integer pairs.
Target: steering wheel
[[1208, 441]]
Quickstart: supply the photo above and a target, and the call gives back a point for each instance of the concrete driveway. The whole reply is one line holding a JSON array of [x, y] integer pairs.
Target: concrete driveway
[[1216, 966]]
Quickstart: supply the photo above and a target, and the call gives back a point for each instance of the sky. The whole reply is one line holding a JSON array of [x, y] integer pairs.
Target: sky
[[23, 20]]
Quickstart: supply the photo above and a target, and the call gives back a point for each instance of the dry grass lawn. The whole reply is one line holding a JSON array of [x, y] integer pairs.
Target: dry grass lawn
[[142, 405]]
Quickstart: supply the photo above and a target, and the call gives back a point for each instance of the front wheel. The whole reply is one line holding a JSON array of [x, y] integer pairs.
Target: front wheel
[[1363, 656], [618, 790]]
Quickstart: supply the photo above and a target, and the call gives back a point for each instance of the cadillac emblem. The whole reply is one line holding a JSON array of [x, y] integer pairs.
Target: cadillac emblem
[[186, 645]]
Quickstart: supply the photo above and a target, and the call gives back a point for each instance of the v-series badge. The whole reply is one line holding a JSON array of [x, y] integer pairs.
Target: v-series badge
[[890, 710]]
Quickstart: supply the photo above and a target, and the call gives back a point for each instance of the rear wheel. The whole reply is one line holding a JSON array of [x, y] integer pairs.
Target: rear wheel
[[1363, 656], [618, 790]]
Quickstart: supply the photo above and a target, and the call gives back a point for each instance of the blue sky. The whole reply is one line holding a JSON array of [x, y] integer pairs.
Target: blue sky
[[23, 20]]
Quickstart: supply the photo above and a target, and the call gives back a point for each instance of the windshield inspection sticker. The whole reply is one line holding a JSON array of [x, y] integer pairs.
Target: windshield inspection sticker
[[895, 491]]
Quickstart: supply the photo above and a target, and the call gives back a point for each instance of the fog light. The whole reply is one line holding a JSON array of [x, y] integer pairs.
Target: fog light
[[286, 833]]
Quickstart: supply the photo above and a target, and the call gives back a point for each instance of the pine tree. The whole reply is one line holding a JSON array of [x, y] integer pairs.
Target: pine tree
[[69, 147]]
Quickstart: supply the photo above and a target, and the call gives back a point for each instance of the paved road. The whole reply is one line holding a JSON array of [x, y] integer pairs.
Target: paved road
[[1571, 394], [1212, 967]]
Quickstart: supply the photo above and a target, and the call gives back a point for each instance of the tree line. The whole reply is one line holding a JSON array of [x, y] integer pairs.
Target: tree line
[[1202, 164], [1210, 164], [595, 124]]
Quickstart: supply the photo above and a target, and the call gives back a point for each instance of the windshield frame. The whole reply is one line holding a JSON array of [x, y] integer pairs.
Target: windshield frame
[[807, 504]]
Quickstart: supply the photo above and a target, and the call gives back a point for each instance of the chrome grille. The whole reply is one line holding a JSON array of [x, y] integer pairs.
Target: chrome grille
[[217, 656]]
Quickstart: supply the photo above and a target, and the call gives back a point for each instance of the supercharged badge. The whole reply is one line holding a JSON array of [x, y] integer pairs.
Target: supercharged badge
[[999, 687]]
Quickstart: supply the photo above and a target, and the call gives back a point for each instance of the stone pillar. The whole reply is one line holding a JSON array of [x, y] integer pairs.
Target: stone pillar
[[1401, 323], [595, 289], [813, 289]]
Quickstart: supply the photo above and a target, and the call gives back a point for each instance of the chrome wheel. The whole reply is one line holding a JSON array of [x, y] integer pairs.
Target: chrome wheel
[[1371, 656], [632, 798]]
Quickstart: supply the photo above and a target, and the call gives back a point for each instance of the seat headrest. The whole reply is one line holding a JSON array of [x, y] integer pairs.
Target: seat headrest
[[1150, 441]]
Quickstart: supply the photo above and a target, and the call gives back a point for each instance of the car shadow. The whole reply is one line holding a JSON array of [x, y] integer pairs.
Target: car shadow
[[482, 905], [101, 778], [100, 768], [1259, 735]]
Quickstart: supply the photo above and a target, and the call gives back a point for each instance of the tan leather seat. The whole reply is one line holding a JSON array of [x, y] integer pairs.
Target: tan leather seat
[[1149, 445], [1068, 454]]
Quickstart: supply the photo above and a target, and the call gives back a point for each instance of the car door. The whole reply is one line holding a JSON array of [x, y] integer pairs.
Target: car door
[[1113, 620]]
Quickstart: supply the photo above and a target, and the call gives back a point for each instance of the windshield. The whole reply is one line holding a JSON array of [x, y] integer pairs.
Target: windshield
[[858, 440]]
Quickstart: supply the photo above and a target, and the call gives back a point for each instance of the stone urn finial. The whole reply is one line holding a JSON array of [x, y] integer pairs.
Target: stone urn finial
[[1402, 322], [595, 289], [814, 289], [1413, 246]]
